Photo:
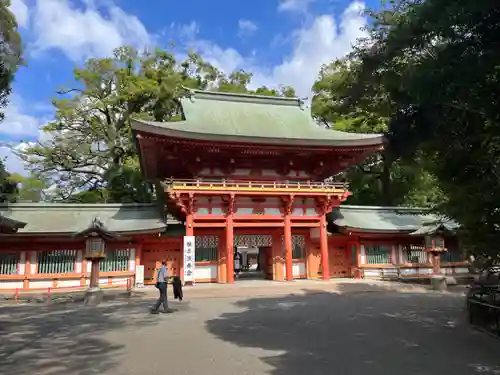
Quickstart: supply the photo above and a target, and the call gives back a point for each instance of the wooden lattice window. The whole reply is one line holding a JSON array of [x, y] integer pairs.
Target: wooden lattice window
[[206, 248], [115, 261], [298, 246], [56, 261], [378, 254], [414, 254], [9, 262]]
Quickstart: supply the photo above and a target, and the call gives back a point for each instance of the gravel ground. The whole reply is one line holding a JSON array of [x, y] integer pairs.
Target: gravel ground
[[306, 333]]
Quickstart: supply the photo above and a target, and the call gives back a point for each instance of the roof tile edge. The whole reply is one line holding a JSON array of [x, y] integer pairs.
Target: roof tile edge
[[296, 101]]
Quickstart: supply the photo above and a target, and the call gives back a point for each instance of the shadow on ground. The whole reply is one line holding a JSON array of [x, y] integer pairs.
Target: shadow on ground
[[380, 333], [65, 339]]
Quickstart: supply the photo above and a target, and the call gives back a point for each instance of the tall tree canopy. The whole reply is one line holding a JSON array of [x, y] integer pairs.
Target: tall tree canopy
[[90, 155], [10, 51], [384, 178], [10, 58], [439, 64], [8, 188]]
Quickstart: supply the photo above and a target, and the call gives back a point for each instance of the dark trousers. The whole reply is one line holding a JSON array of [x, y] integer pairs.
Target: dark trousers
[[162, 299]]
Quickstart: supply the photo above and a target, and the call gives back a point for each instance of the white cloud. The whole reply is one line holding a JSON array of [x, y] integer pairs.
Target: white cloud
[[12, 163], [298, 6], [246, 28], [17, 123], [318, 43], [20, 10], [85, 32]]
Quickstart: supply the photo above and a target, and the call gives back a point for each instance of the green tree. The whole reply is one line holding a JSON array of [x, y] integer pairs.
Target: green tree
[[8, 188], [10, 59], [29, 189], [382, 178], [90, 154], [439, 64], [10, 51]]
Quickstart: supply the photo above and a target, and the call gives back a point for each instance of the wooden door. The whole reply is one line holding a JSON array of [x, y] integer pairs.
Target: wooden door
[[152, 258], [339, 266]]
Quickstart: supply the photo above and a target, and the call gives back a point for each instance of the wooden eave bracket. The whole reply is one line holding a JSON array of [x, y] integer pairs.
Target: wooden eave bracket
[[288, 203]]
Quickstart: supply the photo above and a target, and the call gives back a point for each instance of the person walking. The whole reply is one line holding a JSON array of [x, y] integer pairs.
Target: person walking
[[161, 284]]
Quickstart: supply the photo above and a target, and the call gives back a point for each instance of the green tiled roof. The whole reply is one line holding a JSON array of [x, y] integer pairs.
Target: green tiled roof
[[382, 219], [228, 117], [55, 218], [443, 226]]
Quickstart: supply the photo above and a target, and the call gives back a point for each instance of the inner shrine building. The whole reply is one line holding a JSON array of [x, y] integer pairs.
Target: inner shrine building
[[247, 171]]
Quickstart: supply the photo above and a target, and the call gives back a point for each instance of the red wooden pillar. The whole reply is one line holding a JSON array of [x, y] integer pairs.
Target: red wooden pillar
[[323, 239], [288, 248], [230, 240], [230, 249], [221, 260]]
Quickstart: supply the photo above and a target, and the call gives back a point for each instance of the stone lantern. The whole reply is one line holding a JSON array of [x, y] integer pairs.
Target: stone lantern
[[433, 234], [96, 236]]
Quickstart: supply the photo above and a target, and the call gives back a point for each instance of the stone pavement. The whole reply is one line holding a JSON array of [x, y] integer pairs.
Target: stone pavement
[[257, 288], [308, 332]]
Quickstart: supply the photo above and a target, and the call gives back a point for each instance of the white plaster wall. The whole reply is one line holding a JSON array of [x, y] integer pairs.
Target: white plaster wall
[[424, 271], [408, 271], [461, 270], [205, 272], [400, 253], [8, 284], [389, 271], [68, 283], [298, 269], [22, 263], [103, 281], [363, 254], [131, 262], [371, 273], [32, 255], [119, 280], [89, 267], [78, 264], [34, 284]]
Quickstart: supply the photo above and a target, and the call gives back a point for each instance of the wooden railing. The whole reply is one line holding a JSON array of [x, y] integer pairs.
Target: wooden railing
[[306, 186]]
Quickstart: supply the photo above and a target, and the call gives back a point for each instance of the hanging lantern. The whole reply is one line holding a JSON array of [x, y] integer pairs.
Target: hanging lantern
[[434, 243], [95, 247]]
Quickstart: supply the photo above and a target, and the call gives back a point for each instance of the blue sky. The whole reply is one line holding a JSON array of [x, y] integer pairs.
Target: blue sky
[[280, 41]]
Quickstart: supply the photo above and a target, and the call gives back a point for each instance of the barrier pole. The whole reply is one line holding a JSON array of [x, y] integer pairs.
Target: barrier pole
[[17, 295], [49, 297]]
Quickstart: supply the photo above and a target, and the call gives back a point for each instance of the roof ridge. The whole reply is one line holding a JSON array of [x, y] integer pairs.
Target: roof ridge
[[299, 102]]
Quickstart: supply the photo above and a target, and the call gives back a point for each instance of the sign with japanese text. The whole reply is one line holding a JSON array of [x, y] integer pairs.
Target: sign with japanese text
[[189, 258]]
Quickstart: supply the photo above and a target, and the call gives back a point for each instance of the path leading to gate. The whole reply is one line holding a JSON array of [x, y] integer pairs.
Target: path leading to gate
[[263, 288], [351, 331]]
